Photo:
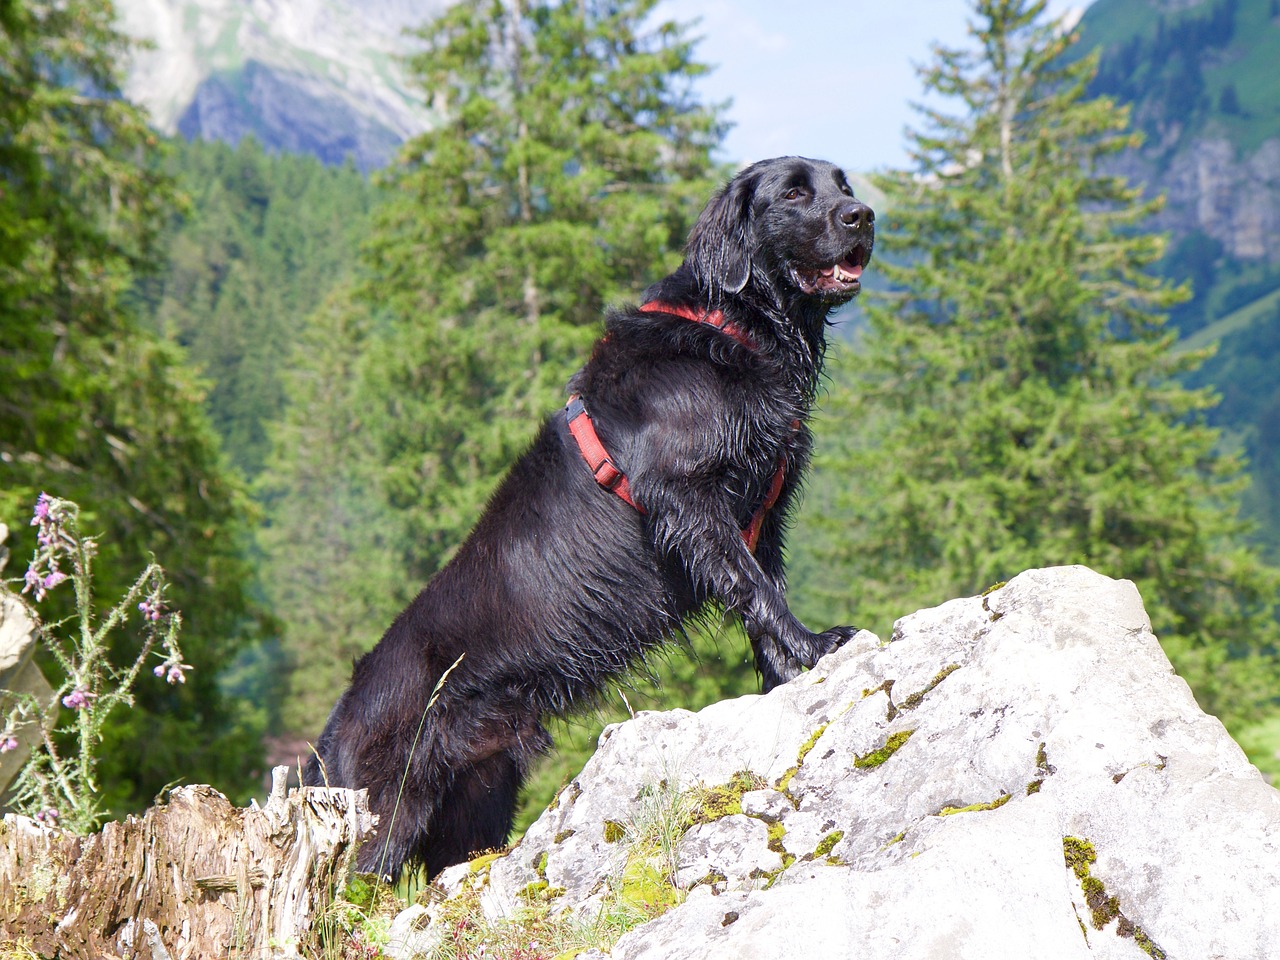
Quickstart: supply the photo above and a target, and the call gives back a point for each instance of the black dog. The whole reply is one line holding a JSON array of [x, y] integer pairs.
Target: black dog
[[616, 524]]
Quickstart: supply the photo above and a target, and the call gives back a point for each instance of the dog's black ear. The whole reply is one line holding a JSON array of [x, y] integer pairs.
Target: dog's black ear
[[720, 243]]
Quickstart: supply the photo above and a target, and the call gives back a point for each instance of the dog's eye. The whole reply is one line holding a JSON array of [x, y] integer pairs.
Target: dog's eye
[[846, 190], [794, 193]]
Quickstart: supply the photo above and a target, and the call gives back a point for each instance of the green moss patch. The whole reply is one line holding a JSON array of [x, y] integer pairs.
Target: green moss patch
[[995, 804], [1044, 769], [914, 700], [646, 888], [482, 862], [776, 832], [826, 845], [1080, 856], [785, 780], [882, 753], [709, 804], [535, 889], [887, 689]]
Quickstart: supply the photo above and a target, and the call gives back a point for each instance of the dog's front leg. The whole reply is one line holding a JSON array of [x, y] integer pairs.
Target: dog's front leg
[[773, 662], [693, 526]]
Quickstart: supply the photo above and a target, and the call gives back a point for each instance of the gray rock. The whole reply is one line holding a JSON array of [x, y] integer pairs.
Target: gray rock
[[1214, 186], [735, 845], [1020, 774], [411, 935]]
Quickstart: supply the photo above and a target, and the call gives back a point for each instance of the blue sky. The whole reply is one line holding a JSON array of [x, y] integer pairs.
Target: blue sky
[[823, 79]]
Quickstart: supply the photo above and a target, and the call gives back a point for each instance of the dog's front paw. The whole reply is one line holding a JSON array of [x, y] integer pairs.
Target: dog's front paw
[[833, 639]]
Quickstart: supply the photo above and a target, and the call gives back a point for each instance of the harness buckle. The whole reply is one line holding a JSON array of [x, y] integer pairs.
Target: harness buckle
[[606, 474]]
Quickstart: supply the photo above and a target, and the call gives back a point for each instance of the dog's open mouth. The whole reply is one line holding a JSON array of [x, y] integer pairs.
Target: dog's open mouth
[[839, 279]]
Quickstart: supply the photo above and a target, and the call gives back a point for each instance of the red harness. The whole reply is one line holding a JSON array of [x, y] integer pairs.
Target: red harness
[[607, 473]]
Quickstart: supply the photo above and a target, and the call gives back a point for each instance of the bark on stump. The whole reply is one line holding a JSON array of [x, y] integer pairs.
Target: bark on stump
[[193, 877]]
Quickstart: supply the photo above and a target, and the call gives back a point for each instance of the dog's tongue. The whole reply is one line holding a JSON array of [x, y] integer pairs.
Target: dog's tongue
[[847, 271]]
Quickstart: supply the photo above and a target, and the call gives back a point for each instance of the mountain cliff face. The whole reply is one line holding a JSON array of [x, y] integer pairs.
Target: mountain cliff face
[[1214, 188], [306, 76], [1201, 81]]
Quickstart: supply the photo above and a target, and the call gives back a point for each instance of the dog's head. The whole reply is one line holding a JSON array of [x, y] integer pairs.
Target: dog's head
[[789, 223]]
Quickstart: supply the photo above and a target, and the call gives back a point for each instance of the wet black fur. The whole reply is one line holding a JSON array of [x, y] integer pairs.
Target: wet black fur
[[562, 586]]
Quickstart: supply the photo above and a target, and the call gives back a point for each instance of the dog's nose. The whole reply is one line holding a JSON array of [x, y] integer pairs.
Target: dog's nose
[[855, 215]]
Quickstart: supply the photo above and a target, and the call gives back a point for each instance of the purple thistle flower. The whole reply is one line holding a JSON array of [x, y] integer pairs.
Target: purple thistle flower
[[53, 579], [42, 509], [49, 817], [77, 698], [159, 670], [175, 673], [8, 743], [35, 583]]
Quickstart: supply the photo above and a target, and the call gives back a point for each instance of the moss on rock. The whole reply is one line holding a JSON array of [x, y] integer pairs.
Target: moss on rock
[[882, 753]]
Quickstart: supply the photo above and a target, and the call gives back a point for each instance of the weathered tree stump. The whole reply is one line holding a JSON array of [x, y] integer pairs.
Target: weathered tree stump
[[193, 877]]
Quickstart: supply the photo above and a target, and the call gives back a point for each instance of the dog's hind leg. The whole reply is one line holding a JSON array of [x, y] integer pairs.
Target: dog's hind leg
[[476, 811], [406, 819]]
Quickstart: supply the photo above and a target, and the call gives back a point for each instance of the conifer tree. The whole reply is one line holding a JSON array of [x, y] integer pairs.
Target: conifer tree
[[261, 242], [94, 409], [1016, 402], [326, 555], [568, 164]]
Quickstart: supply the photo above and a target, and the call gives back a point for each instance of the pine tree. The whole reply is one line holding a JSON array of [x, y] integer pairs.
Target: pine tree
[[1016, 403], [326, 565], [566, 170], [94, 409]]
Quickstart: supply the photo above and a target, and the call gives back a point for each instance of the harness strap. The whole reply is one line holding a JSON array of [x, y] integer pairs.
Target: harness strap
[[714, 318], [603, 469], [752, 534], [607, 473]]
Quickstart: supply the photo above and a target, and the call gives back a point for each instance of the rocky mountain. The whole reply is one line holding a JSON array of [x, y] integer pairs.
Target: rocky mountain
[[305, 76], [1019, 774], [1201, 79]]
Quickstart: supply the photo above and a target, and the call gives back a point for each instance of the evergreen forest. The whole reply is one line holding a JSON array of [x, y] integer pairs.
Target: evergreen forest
[[295, 386]]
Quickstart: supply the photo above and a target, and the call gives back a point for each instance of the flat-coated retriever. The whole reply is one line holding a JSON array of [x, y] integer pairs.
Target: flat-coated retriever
[[665, 484]]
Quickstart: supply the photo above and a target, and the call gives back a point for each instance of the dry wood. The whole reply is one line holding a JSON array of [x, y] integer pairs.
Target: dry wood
[[194, 877]]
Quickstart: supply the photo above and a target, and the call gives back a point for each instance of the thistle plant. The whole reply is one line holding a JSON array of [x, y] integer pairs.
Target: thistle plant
[[57, 785]]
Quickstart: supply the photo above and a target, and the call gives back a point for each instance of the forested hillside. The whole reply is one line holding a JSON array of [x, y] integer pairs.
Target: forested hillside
[[1204, 90], [258, 243]]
